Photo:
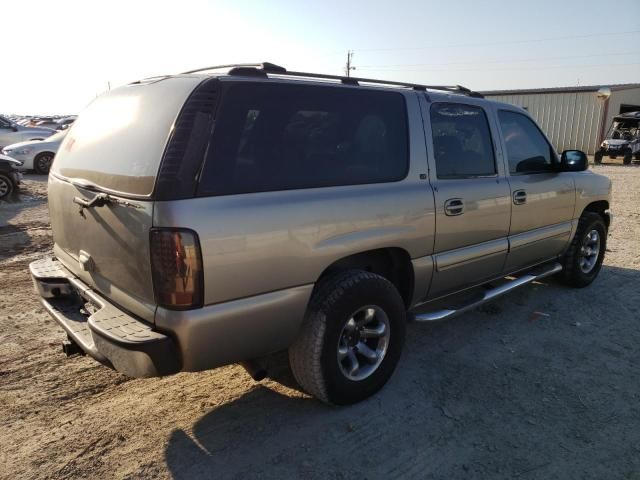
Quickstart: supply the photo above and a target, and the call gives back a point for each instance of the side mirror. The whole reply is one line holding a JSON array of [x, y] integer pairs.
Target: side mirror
[[573, 161]]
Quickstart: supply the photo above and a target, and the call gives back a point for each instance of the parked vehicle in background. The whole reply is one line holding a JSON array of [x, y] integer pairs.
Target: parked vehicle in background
[[52, 124], [9, 176], [36, 155], [65, 123], [11, 132], [623, 139], [205, 219]]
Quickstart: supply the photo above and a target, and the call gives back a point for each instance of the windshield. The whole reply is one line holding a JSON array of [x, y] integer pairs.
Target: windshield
[[624, 129]]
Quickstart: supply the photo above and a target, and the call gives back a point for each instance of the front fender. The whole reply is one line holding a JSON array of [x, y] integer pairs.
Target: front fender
[[590, 188]]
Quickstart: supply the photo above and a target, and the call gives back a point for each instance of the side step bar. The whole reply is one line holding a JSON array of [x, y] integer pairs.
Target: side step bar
[[488, 295]]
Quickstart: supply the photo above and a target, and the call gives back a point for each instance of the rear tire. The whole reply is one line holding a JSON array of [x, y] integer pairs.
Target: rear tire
[[597, 158], [636, 156], [345, 311], [6, 186], [627, 159], [42, 163], [580, 266]]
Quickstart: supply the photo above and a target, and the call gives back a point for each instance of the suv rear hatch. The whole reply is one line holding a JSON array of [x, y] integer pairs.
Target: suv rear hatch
[[101, 188]]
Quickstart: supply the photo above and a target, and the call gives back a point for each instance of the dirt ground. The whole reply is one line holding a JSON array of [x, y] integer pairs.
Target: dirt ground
[[544, 383]]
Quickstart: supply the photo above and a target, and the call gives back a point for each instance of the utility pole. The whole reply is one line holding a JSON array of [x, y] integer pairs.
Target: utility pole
[[349, 67]]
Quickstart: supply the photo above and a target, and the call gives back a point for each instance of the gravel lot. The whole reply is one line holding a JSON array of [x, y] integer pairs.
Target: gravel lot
[[544, 383]]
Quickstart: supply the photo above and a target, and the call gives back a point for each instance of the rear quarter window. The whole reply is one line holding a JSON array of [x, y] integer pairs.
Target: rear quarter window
[[271, 137]]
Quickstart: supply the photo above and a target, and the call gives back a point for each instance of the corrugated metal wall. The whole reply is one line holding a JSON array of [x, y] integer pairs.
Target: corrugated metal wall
[[570, 120]]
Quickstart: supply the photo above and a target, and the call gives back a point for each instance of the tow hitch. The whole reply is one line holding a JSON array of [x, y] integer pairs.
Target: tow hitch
[[70, 348]]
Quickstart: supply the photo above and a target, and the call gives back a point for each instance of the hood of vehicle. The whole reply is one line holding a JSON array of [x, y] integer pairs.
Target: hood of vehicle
[[12, 161], [615, 141], [28, 143]]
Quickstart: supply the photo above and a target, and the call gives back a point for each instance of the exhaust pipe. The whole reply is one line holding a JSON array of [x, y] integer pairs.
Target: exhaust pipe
[[70, 348], [255, 369]]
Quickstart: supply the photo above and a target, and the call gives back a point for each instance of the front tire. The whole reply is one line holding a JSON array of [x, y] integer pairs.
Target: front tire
[[351, 338], [42, 163], [597, 158], [583, 260], [627, 159], [6, 186]]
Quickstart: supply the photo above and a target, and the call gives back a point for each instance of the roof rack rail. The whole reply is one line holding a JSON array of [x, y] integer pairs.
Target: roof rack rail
[[264, 68]]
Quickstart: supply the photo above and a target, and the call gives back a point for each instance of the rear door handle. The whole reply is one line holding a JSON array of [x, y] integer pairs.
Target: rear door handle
[[454, 206], [519, 197]]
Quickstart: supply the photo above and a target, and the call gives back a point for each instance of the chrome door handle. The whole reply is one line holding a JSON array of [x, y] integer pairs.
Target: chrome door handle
[[519, 197], [454, 206]]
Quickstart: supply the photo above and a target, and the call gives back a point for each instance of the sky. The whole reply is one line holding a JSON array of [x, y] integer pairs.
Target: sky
[[58, 55]]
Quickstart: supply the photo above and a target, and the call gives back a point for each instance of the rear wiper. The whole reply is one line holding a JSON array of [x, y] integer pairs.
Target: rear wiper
[[100, 200]]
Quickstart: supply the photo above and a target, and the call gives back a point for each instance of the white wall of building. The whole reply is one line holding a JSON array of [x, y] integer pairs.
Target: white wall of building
[[630, 96]]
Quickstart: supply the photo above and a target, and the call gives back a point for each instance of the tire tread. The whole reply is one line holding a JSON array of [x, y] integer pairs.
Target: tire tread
[[570, 273], [305, 354]]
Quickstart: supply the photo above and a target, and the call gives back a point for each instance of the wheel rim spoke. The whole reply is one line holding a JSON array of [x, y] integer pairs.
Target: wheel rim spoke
[[375, 332], [351, 325], [367, 317], [343, 351], [354, 364], [364, 350]]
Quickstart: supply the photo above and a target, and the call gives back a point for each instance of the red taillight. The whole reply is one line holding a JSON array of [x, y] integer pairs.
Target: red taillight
[[176, 267]]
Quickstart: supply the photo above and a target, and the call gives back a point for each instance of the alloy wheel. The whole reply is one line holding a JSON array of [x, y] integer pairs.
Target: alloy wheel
[[589, 251], [363, 342]]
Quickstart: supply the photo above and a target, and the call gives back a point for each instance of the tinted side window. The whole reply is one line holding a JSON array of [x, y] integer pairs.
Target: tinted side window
[[527, 149], [462, 141], [271, 137]]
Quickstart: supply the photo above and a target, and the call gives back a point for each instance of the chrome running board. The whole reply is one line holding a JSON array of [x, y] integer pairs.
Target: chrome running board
[[488, 295]]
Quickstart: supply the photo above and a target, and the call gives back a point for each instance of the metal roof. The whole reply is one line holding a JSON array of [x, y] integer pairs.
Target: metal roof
[[586, 88]]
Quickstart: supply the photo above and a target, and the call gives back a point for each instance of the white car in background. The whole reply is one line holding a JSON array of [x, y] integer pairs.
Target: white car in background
[[36, 154], [11, 132]]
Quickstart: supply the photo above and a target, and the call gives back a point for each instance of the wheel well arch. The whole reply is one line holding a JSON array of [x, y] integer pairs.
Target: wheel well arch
[[599, 207], [46, 152], [392, 263]]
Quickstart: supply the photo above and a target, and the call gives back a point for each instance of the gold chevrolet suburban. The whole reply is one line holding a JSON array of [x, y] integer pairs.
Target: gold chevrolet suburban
[[225, 214]]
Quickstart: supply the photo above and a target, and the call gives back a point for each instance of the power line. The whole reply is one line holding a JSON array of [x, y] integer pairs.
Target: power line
[[494, 62], [502, 69], [502, 42]]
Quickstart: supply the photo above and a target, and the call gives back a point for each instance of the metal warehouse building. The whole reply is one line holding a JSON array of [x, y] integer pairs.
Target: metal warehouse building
[[574, 117]]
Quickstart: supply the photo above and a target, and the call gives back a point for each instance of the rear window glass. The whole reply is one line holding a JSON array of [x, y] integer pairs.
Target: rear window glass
[[461, 141], [271, 137], [118, 140]]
